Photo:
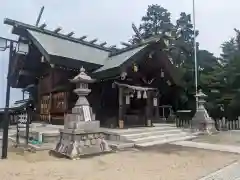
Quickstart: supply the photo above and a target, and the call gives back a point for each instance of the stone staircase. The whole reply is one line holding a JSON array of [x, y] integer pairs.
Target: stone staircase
[[149, 136], [121, 138]]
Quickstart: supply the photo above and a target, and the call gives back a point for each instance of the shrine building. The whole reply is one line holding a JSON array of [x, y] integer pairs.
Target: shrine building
[[132, 82]]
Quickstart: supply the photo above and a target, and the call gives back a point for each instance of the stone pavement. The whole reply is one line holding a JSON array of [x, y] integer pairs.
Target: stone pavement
[[0, 147], [11, 132], [208, 146], [230, 172]]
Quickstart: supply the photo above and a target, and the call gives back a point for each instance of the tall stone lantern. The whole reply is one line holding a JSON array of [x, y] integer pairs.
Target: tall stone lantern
[[82, 115], [201, 120], [81, 134]]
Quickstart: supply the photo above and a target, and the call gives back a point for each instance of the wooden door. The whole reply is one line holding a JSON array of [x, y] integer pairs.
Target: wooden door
[[59, 102], [45, 105]]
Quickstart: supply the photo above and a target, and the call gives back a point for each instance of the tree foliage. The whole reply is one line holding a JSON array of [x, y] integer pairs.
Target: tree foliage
[[224, 78], [218, 77], [156, 21]]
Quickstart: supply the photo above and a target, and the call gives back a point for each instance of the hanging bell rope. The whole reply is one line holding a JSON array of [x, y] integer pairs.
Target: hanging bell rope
[[169, 83], [145, 95], [162, 73], [139, 95], [135, 68], [127, 99]]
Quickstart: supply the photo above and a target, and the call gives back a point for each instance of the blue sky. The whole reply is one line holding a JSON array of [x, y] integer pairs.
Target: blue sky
[[111, 21]]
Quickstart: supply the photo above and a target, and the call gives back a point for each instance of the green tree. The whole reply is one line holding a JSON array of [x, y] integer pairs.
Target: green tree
[[228, 50], [231, 48], [222, 80], [156, 21], [183, 51]]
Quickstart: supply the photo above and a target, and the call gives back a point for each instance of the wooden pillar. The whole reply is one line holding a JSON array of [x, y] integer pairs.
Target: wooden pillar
[[156, 107], [121, 108], [148, 110], [51, 79], [23, 95]]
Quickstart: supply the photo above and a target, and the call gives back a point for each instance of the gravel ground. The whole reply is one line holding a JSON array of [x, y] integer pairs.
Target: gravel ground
[[225, 137], [166, 162]]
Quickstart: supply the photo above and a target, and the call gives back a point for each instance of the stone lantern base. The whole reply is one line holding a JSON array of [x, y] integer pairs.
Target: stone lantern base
[[202, 122], [77, 143], [76, 121], [81, 134]]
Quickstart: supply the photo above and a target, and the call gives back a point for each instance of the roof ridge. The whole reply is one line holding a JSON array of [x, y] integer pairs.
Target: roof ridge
[[150, 40], [113, 51], [55, 34]]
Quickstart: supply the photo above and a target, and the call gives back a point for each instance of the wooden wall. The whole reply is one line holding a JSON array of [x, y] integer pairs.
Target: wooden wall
[[55, 94]]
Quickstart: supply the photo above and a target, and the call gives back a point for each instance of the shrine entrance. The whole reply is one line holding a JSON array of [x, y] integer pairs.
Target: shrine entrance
[[136, 105], [135, 111]]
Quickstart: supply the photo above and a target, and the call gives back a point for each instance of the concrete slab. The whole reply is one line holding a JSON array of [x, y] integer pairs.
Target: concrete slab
[[230, 172], [164, 141], [207, 146]]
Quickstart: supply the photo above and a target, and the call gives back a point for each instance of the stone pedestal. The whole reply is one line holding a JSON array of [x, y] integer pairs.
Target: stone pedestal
[[81, 134], [201, 120], [77, 143]]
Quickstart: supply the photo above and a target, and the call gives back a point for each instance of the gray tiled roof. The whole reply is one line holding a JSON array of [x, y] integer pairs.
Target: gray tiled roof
[[69, 49], [117, 60]]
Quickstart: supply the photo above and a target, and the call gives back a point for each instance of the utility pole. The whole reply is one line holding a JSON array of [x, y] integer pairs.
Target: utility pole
[[6, 110], [195, 54]]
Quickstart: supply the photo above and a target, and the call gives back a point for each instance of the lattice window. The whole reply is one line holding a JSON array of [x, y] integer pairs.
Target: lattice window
[[45, 104], [59, 101]]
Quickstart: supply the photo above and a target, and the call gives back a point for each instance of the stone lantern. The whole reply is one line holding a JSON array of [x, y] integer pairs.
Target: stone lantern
[[201, 120], [81, 134], [82, 115]]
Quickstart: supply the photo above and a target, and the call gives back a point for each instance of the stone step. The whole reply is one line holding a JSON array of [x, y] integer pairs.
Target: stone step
[[164, 141], [140, 130], [119, 145], [158, 137], [164, 125], [150, 133]]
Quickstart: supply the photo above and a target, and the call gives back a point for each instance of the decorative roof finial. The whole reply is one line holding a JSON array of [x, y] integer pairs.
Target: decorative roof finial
[[82, 77], [200, 94], [82, 70]]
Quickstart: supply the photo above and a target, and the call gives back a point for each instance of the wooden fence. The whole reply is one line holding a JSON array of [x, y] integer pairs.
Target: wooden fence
[[225, 124], [183, 118], [183, 123], [220, 124]]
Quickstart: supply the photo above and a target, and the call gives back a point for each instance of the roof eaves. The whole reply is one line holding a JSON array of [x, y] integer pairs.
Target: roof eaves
[[45, 31], [126, 61], [40, 47]]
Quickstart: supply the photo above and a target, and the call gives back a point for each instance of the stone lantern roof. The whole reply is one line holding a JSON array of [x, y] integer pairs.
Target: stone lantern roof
[[82, 77], [200, 94]]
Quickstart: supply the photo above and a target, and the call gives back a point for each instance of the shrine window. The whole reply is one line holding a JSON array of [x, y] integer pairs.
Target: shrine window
[[59, 101], [45, 104]]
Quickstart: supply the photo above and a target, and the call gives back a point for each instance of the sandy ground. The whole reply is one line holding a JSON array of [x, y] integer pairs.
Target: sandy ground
[[167, 162], [224, 137]]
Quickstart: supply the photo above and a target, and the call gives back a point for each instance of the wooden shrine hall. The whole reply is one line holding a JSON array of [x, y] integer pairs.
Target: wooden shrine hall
[[131, 82]]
